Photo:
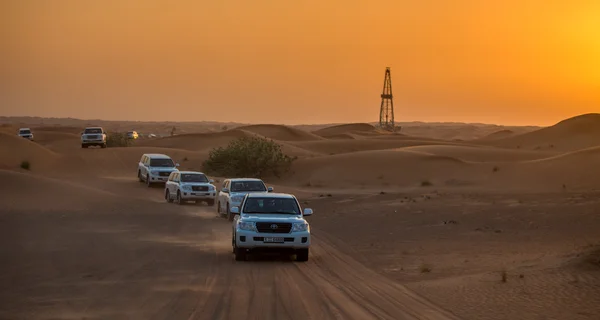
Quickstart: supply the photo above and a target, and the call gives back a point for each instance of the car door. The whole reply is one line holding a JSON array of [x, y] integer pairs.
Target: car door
[[170, 183], [222, 198], [141, 164], [146, 167], [176, 181]]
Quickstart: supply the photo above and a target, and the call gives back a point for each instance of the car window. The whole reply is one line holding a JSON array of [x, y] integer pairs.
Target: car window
[[166, 163], [271, 206], [193, 177], [24, 131], [93, 130], [240, 186]]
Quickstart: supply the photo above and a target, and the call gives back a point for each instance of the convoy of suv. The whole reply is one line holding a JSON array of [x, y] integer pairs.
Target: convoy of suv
[[263, 221]]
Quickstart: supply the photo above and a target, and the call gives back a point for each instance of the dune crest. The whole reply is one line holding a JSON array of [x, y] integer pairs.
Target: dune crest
[[280, 132]]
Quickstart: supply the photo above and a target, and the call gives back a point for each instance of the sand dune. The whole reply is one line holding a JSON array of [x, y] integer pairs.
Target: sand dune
[[502, 134], [336, 146], [572, 134], [345, 129], [280, 132], [397, 168], [479, 154], [14, 150], [195, 141]]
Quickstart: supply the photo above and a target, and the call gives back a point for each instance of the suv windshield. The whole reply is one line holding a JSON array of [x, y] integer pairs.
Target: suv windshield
[[239, 186], [24, 131], [167, 163], [94, 130], [193, 177], [271, 205]]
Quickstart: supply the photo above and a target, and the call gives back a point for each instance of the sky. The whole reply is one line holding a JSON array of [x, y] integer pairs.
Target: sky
[[518, 62]]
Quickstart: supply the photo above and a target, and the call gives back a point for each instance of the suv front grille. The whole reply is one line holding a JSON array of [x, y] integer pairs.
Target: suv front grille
[[164, 174], [273, 227], [200, 188]]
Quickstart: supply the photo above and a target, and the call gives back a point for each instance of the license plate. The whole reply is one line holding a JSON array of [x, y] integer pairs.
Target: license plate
[[273, 240]]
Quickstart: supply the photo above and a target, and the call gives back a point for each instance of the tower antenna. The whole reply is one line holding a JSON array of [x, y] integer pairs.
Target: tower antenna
[[386, 111]]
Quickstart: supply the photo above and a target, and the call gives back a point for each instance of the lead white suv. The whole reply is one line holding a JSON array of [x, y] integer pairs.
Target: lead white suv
[[155, 168], [190, 186], [270, 222], [233, 192], [93, 136]]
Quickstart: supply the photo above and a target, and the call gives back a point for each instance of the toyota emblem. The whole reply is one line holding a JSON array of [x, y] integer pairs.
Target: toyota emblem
[[274, 226]]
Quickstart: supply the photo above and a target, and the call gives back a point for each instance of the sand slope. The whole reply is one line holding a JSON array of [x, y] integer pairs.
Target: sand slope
[[344, 129], [14, 150], [280, 132], [572, 134], [336, 146]]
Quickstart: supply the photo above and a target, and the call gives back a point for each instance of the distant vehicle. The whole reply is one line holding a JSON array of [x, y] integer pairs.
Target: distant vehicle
[[93, 136], [233, 191], [190, 186], [132, 135], [270, 222], [155, 168], [25, 133]]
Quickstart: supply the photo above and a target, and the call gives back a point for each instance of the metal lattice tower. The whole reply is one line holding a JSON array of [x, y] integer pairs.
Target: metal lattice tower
[[386, 112]]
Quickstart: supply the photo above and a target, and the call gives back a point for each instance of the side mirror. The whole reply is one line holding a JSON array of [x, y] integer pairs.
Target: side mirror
[[308, 212], [211, 181], [225, 190], [177, 164], [235, 210], [270, 189]]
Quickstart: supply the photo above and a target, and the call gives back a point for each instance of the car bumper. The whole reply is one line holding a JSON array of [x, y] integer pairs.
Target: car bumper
[[158, 179], [97, 142], [252, 240], [198, 195]]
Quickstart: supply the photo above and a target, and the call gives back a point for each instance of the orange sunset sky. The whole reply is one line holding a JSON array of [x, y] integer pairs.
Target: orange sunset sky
[[309, 61]]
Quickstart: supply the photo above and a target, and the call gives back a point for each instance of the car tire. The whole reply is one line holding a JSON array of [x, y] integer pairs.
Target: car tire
[[302, 255], [168, 196], [103, 146], [140, 176], [229, 215], [179, 200], [148, 183], [240, 254]]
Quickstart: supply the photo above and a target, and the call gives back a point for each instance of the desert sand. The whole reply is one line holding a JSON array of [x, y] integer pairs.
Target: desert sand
[[459, 222]]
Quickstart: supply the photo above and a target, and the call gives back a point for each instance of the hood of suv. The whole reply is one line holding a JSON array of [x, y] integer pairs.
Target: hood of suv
[[269, 217], [163, 169], [197, 184]]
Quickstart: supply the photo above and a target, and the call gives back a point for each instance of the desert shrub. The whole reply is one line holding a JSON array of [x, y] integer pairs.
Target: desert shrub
[[25, 165], [117, 139], [252, 157], [426, 183]]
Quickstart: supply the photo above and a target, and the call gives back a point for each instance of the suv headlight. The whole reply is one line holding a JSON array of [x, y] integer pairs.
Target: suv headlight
[[301, 226], [154, 173], [248, 226], [186, 188], [237, 198]]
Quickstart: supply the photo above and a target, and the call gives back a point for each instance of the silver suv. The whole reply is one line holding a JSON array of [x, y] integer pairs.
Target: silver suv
[[155, 168], [233, 191], [190, 186], [93, 136], [270, 222]]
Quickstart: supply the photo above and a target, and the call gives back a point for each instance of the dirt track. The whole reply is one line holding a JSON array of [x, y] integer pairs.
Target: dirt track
[[119, 258]]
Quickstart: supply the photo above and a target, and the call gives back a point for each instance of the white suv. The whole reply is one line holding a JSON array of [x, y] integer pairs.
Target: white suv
[[26, 133], [155, 168], [270, 222], [190, 186], [93, 136], [233, 192]]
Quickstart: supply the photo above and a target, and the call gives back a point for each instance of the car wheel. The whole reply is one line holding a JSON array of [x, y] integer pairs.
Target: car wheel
[[229, 215], [168, 196], [103, 146], [302, 255], [148, 184], [240, 254], [179, 200], [140, 176]]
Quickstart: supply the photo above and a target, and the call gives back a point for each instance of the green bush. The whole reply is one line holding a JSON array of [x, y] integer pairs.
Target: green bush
[[25, 165], [117, 139], [251, 157]]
